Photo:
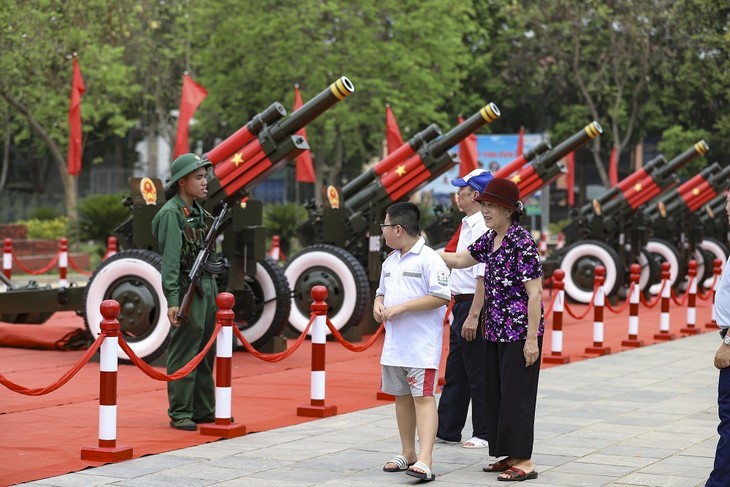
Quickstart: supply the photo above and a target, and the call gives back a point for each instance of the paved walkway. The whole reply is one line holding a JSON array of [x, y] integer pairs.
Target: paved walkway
[[645, 417]]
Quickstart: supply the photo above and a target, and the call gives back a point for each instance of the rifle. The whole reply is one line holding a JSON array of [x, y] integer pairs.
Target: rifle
[[201, 264]]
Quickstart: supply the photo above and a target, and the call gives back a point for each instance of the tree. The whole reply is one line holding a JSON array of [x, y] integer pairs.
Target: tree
[[37, 44]]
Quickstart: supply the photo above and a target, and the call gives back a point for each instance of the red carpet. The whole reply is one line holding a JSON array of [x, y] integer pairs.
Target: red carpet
[[48, 432]]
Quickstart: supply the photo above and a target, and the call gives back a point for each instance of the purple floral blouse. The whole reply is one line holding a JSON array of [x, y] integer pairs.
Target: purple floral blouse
[[505, 297]]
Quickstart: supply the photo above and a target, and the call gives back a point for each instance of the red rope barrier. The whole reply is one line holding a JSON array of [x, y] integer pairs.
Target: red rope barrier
[[658, 299], [623, 307], [676, 299], [274, 357], [354, 348], [76, 267], [710, 291], [64, 378], [588, 310], [549, 309], [182, 372], [35, 272]]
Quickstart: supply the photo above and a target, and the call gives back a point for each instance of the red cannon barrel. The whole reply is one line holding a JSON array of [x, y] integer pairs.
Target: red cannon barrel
[[523, 159], [681, 196]]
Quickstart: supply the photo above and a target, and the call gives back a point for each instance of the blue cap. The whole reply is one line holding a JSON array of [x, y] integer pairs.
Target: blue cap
[[477, 179]]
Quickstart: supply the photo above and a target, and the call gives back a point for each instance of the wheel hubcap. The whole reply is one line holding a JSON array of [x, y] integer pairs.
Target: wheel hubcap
[[138, 308], [318, 276]]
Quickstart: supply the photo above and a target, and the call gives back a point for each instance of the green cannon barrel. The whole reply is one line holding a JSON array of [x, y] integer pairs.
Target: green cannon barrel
[[653, 184], [589, 132], [398, 156], [245, 134], [649, 168], [337, 91], [484, 116], [672, 203]]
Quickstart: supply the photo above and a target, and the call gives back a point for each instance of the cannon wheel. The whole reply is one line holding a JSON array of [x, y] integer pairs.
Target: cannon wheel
[[132, 278], [262, 309], [663, 251], [343, 276], [649, 269], [579, 263], [717, 250]]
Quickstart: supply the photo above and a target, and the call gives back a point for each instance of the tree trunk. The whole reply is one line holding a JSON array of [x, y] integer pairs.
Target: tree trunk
[[6, 153], [69, 182]]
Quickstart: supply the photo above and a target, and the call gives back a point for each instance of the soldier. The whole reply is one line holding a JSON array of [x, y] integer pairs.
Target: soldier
[[179, 228]]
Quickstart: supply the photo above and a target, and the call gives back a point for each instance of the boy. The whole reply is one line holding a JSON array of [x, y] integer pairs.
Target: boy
[[413, 290]]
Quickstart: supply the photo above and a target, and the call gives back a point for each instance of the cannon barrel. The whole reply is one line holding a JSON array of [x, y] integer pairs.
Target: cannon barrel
[[519, 161], [546, 168], [246, 134], [422, 167], [651, 185], [275, 146], [487, 114], [312, 109], [676, 201], [627, 182], [714, 208], [399, 155]]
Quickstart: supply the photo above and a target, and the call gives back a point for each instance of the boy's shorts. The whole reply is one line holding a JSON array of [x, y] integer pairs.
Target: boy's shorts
[[404, 381]]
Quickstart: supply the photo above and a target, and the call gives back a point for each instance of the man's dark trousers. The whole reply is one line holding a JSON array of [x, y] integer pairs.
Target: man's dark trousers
[[720, 475], [464, 381]]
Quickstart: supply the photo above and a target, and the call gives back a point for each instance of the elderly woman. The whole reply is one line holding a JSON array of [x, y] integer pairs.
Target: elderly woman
[[513, 327]]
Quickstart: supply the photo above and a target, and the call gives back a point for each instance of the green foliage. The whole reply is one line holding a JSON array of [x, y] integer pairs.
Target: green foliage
[[44, 213], [676, 140], [46, 229], [99, 215], [283, 219]]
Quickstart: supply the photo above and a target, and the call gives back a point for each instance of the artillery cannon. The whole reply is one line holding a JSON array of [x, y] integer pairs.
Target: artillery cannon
[[343, 238], [676, 233], [715, 227], [132, 277], [612, 233]]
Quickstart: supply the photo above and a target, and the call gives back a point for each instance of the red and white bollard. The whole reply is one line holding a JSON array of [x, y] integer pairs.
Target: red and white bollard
[[63, 263], [633, 340], [556, 355], [598, 303], [108, 450], [111, 247], [561, 241], [7, 261], [223, 425], [666, 297], [716, 271], [691, 329], [316, 407], [275, 252]]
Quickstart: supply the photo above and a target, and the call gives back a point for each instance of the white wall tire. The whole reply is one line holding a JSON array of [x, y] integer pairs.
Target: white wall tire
[[718, 251], [339, 271], [663, 251], [579, 262], [133, 279]]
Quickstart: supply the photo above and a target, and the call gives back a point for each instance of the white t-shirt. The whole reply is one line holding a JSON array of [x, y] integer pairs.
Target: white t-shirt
[[414, 339], [464, 281], [722, 298]]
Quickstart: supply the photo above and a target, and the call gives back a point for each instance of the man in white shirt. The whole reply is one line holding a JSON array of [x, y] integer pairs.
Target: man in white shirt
[[466, 360], [720, 475]]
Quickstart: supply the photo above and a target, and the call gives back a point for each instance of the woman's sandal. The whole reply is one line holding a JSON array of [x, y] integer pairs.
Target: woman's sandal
[[499, 466]]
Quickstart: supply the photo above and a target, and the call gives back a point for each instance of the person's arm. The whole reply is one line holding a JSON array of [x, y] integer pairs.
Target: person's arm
[[471, 323], [169, 238], [534, 300], [457, 260], [722, 356], [424, 303], [378, 308]]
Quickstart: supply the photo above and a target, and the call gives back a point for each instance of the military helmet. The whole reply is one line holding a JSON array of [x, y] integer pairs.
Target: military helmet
[[184, 165]]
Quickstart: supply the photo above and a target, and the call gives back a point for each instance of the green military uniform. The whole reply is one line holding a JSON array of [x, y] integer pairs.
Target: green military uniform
[[180, 230]]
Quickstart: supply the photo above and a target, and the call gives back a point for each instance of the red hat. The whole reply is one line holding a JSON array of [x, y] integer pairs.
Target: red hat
[[502, 192]]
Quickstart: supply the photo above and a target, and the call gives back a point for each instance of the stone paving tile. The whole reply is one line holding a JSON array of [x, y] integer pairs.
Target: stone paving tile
[[85, 478], [658, 480]]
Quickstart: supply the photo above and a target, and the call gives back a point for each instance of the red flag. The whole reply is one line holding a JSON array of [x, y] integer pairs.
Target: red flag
[[74, 121], [305, 168], [570, 178], [521, 141], [468, 153], [392, 133], [613, 168], [192, 95]]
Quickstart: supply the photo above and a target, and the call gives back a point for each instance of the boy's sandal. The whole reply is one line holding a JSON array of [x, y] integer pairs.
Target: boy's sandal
[[426, 475], [400, 462]]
